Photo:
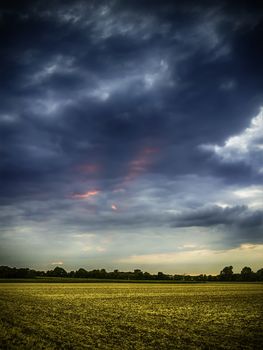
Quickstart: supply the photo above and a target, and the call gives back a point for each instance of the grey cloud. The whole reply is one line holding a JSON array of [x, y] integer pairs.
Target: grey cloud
[[238, 216], [245, 148]]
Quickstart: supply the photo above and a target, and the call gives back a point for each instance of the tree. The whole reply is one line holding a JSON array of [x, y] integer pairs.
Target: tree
[[259, 275], [226, 274], [178, 277], [246, 274], [81, 273], [71, 274], [138, 274], [59, 272], [160, 275], [147, 276]]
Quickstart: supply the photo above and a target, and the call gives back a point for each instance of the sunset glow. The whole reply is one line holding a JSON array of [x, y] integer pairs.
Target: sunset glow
[[140, 163], [85, 195]]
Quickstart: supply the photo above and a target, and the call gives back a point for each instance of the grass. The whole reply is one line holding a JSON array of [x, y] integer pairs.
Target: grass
[[131, 316]]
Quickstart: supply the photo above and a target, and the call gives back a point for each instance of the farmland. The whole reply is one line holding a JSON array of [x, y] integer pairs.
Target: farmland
[[131, 316]]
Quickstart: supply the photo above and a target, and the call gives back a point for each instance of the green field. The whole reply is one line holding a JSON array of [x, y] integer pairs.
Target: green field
[[131, 316]]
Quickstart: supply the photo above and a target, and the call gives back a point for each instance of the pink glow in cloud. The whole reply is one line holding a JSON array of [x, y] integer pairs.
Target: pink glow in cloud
[[88, 168], [85, 195], [140, 163], [114, 207]]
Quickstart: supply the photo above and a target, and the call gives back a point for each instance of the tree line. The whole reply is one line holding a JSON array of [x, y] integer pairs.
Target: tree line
[[226, 274]]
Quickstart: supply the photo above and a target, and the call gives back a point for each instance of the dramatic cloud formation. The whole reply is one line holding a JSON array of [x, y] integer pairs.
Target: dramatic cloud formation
[[246, 147], [131, 130]]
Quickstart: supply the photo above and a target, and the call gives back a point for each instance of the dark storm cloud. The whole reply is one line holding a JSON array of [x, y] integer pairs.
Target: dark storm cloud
[[97, 94], [240, 216], [111, 72], [239, 224]]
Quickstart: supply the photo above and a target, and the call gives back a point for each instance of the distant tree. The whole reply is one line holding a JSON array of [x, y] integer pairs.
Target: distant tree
[[160, 276], [8, 272], [72, 274], [138, 274], [103, 273], [81, 273], [178, 277], [59, 272], [147, 276], [5, 271], [246, 270], [201, 278], [115, 274], [259, 275], [226, 274], [188, 278], [40, 273], [24, 273], [246, 274]]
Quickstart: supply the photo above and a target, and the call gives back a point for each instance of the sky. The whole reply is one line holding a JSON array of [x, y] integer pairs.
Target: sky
[[131, 135]]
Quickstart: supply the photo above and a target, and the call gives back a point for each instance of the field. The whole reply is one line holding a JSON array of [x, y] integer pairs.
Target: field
[[131, 316]]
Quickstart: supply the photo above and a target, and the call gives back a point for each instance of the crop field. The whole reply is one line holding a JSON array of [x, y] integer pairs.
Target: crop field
[[131, 316]]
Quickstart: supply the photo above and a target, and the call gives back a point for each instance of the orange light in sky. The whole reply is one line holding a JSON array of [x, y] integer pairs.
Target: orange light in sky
[[114, 207], [86, 194], [140, 163]]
